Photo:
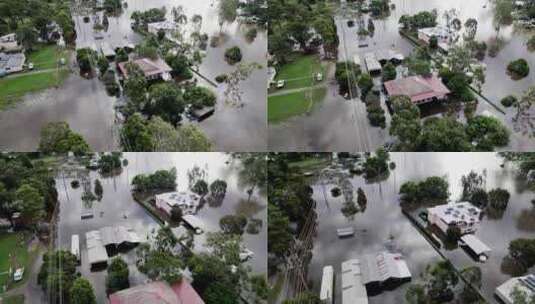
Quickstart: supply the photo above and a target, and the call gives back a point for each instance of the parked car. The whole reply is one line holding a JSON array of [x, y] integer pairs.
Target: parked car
[[319, 77], [281, 84], [30, 66]]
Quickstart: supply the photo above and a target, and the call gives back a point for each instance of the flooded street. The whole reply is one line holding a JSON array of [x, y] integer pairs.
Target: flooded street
[[340, 125], [117, 207], [85, 105], [382, 226]]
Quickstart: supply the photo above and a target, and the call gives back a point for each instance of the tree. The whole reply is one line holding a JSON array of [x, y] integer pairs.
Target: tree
[[432, 190], [362, 201], [59, 138], [200, 187], [233, 55], [518, 68], [117, 276], [415, 294], [499, 198], [471, 29], [487, 132], [135, 86], [166, 101], [199, 97], [419, 67], [253, 173], [27, 36], [121, 55], [98, 189], [180, 65], [389, 72], [365, 84], [444, 134], [405, 122], [103, 64], [433, 42], [228, 11], [31, 203], [473, 276], [278, 231], [85, 58], [470, 183], [233, 224], [218, 188], [346, 75], [176, 214], [523, 117], [508, 101], [82, 292], [306, 297], [57, 274]]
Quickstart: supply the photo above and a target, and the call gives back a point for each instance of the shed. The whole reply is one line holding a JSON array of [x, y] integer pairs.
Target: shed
[[476, 245]]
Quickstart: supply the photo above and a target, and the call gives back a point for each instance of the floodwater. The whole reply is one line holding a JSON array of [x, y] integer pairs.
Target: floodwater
[[382, 226], [85, 105], [117, 202], [322, 129]]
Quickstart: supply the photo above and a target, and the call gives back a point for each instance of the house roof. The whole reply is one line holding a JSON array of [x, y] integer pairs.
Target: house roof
[[158, 292], [353, 290], [417, 87], [457, 212], [475, 244], [118, 235], [149, 66], [383, 266], [180, 198], [96, 253], [11, 61]]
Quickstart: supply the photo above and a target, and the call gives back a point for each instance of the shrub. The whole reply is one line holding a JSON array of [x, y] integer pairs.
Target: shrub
[[233, 55], [518, 68], [251, 34], [508, 101], [221, 78]]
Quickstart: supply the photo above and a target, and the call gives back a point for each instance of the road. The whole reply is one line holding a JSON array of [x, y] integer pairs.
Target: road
[[33, 73]]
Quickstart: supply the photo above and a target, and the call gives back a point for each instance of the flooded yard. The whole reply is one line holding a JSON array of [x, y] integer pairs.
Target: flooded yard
[[342, 125], [85, 105], [382, 226], [117, 207]]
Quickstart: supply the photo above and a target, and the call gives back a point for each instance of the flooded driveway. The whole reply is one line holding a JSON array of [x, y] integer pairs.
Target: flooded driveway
[[117, 207], [382, 226], [85, 105], [340, 125]]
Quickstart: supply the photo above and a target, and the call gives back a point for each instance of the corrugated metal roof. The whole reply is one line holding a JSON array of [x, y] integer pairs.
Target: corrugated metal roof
[[475, 244]]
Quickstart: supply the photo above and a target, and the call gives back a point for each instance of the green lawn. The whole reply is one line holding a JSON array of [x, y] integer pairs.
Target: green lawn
[[285, 106], [14, 244], [16, 299], [13, 88], [46, 57], [299, 73]]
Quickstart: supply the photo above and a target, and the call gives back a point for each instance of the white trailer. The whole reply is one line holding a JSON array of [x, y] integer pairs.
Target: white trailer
[[75, 247], [327, 284]]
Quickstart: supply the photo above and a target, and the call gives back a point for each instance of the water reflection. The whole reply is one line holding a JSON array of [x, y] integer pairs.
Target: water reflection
[[383, 226]]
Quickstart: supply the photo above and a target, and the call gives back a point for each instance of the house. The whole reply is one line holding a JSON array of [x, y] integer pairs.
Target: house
[[107, 50], [418, 88], [463, 215], [12, 63], [185, 200], [444, 36], [118, 236], [353, 290], [158, 292], [168, 27], [152, 68], [383, 271], [8, 43], [525, 284]]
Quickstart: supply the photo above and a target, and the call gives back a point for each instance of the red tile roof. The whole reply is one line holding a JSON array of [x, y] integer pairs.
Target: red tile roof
[[418, 88], [158, 292]]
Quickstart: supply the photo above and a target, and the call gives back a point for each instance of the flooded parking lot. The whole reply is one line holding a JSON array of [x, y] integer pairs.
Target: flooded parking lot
[[117, 207], [85, 105], [382, 226], [339, 124]]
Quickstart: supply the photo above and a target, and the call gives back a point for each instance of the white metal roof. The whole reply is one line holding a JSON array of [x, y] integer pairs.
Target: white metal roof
[[456, 212], [326, 293], [75, 245], [118, 235], [475, 244], [383, 266], [193, 221], [180, 198], [525, 284], [96, 253], [353, 290], [371, 62]]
